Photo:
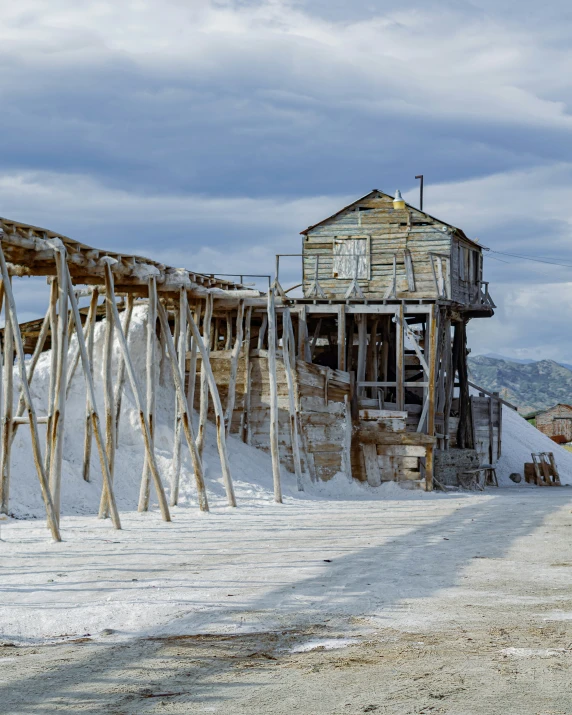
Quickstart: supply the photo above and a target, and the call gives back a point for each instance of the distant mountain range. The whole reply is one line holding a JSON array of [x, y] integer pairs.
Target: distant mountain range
[[527, 384], [524, 361]]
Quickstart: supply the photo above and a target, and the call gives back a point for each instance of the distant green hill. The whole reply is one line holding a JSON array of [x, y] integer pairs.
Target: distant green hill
[[530, 386]]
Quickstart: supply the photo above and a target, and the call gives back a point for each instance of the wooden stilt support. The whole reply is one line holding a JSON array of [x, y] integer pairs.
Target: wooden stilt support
[[274, 448], [219, 415], [433, 361], [53, 368], [182, 354], [178, 378], [145, 489], [245, 417], [303, 337], [128, 312], [193, 365], [362, 352], [36, 451], [92, 406], [288, 352], [7, 413], [341, 337], [262, 332], [88, 412], [234, 367], [164, 507], [108, 396], [57, 438], [204, 403], [399, 359]]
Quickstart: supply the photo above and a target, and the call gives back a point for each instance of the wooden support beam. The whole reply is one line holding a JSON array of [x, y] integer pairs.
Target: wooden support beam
[[288, 353], [193, 365], [36, 450], [274, 448], [362, 353], [181, 412], [234, 366], [341, 337], [57, 437], [399, 359], [7, 411], [53, 368], [88, 412], [150, 369], [219, 415], [262, 331], [108, 396], [245, 416], [137, 396], [178, 378], [204, 394], [92, 406], [120, 384]]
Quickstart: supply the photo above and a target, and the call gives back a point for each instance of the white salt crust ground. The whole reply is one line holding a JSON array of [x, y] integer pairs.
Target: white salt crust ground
[[153, 576]]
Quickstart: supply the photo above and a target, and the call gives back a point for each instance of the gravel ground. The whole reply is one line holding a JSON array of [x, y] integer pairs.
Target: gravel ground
[[467, 611]]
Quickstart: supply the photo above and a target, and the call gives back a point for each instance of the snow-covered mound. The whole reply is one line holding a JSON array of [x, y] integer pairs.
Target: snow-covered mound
[[519, 439]]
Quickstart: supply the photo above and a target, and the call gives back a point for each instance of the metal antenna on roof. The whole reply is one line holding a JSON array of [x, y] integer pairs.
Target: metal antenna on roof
[[420, 176]]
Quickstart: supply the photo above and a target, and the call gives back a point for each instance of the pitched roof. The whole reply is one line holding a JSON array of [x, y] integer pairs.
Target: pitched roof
[[372, 193]]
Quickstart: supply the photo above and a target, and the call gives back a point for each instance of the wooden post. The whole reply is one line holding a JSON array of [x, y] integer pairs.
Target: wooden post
[[303, 338], [108, 396], [128, 312], [245, 417], [53, 369], [182, 355], [193, 365], [262, 332], [137, 395], [57, 438], [7, 413], [341, 337], [228, 336], [465, 433], [92, 405], [432, 377], [40, 342], [234, 358], [204, 404], [219, 415], [399, 359], [290, 367], [178, 378], [274, 448], [362, 352], [88, 413], [12, 318], [151, 351], [449, 380]]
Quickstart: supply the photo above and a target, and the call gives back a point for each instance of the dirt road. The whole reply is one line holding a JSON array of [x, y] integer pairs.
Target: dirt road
[[465, 615]]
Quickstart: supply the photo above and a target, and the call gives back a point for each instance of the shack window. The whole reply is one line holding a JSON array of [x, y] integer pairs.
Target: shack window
[[351, 258]]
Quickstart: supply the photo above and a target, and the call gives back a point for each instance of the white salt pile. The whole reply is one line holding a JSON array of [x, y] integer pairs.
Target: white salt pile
[[251, 468]]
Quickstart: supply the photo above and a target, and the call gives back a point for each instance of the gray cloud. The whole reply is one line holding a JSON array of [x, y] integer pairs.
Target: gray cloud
[[211, 133]]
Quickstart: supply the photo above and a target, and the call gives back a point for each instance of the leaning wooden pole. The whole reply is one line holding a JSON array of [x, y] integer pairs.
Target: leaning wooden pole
[[36, 450], [246, 399], [204, 389], [92, 407], [234, 358], [119, 385], [57, 439], [108, 396], [274, 447], [181, 364], [164, 507], [219, 414], [7, 412], [88, 420], [53, 369], [151, 351], [290, 367], [183, 406]]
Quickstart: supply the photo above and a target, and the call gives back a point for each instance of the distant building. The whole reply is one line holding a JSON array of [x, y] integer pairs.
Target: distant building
[[555, 422]]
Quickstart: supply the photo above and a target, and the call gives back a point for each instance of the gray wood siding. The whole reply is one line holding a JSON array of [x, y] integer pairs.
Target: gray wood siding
[[391, 233]]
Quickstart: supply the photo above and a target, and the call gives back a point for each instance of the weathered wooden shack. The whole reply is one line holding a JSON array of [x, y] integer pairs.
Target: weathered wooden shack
[[556, 422]]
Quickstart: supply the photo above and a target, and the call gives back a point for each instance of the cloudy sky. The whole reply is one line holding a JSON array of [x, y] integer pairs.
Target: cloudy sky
[[208, 133]]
